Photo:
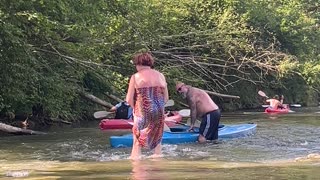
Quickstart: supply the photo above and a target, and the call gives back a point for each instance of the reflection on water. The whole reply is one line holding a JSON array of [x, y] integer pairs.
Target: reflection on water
[[166, 169], [283, 146]]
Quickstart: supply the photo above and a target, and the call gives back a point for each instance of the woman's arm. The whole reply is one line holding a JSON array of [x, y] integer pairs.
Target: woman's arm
[[166, 93], [131, 90]]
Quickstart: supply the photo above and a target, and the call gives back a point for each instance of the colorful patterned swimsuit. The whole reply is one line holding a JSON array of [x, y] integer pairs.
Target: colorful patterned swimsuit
[[149, 116]]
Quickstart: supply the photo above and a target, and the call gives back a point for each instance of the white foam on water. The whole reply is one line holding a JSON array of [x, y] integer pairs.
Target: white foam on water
[[305, 143], [187, 150], [21, 173], [112, 157]]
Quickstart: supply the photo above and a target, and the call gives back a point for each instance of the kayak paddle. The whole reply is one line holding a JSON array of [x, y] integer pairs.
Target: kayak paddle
[[170, 102], [261, 93], [170, 120], [291, 105], [184, 112], [295, 105], [101, 114]]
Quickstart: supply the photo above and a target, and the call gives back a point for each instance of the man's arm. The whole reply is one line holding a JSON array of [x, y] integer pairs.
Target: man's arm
[[114, 108], [192, 102], [281, 99], [193, 115]]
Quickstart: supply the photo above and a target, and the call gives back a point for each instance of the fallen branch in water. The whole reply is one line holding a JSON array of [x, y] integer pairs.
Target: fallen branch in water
[[57, 120], [96, 100], [113, 97], [222, 95], [18, 131]]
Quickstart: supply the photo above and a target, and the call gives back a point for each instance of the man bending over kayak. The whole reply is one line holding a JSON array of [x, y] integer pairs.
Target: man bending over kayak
[[201, 106]]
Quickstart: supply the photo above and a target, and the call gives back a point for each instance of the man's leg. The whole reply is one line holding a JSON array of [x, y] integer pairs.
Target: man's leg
[[204, 125], [212, 132]]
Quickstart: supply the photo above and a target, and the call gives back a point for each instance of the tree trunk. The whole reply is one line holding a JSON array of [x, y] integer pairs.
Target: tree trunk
[[96, 100], [18, 131], [114, 97], [222, 95]]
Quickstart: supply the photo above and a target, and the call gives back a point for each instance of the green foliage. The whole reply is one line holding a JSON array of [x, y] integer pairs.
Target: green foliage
[[311, 72], [51, 50]]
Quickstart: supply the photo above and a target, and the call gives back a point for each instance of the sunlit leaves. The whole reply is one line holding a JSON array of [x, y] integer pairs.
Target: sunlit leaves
[[51, 49]]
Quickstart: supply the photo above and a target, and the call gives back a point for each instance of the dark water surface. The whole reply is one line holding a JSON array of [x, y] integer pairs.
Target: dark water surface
[[283, 147]]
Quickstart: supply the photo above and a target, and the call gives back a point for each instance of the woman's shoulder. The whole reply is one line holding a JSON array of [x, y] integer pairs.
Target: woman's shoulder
[[147, 73]]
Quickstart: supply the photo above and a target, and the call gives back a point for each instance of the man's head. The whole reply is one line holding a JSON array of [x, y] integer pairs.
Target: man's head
[[276, 97], [182, 89]]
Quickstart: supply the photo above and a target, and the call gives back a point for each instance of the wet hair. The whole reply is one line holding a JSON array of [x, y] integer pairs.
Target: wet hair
[[276, 97], [143, 59]]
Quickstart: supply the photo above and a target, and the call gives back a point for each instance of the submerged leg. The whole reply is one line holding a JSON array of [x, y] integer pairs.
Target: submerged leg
[[157, 151]]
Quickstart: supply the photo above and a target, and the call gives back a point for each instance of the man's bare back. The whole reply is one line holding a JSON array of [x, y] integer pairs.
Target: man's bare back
[[198, 100], [274, 102], [202, 107]]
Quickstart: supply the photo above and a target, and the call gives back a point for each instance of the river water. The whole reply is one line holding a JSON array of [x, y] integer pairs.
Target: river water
[[284, 147]]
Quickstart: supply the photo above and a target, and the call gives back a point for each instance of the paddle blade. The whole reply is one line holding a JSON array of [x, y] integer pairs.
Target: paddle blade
[[101, 114], [261, 93], [170, 102], [295, 105], [184, 112]]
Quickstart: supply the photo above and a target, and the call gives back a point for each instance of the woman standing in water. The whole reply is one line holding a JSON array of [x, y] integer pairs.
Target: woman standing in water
[[147, 94]]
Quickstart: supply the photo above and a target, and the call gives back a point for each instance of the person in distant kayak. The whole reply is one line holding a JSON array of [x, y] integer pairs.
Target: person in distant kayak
[[276, 102], [281, 105], [147, 94], [123, 110], [201, 106]]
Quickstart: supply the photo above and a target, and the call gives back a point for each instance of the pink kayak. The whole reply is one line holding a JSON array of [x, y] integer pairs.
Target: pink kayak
[[171, 120]]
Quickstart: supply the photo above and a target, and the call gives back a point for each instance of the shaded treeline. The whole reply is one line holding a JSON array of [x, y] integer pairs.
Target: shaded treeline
[[54, 51]]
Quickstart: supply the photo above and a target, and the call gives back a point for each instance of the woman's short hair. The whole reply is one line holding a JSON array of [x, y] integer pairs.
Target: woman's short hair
[[143, 59]]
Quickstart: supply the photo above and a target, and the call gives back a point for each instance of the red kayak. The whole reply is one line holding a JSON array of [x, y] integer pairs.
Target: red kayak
[[171, 120], [278, 111]]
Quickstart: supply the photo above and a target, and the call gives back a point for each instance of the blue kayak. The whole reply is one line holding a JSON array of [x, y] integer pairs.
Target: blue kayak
[[179, 134]]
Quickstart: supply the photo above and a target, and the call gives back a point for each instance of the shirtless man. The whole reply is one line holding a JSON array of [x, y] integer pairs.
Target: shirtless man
[[201, 106], [274, 102]]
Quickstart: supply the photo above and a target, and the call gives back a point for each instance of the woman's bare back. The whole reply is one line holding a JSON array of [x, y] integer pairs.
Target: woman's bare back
[[149, 78]]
